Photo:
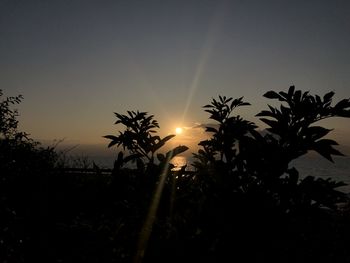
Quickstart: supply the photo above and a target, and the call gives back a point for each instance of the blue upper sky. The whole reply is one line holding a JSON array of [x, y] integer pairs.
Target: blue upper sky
[[77, 62]]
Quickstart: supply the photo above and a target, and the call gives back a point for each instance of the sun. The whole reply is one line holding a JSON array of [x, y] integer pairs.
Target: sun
[[178, 130]]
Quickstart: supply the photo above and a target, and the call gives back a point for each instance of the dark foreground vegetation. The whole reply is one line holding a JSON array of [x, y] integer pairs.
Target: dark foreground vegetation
[[242, 203]]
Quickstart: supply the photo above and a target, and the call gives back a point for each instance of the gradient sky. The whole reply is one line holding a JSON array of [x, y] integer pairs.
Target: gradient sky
[[77, 62]]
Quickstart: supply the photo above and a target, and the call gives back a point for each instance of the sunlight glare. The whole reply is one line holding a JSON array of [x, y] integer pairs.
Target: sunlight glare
[[178, 130]]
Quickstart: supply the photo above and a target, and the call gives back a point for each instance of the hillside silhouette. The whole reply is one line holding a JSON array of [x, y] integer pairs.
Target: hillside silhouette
[[243, 201]]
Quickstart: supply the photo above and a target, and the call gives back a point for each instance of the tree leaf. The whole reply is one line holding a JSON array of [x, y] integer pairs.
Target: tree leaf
[[132, 157], [272, 95], [211, 129], [344, 103], [271, 123], [317, 132], [208, 106], [324, 148], [161, 157], [291, 92], [177, 150], [112, 143], [265, 113], [161, 142], [111, 137], [328, 96]]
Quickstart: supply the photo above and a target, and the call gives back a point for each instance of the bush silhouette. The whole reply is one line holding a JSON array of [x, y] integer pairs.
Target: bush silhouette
[[24, 167], [252, 160], [140, 140], [243, 200], [243, 185], [248, 184]]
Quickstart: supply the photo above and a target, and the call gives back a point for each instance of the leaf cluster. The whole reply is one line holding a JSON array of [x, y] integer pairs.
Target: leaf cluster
[[250, 161], [8, 116], [228, 130], [140, 139], [293, 122]]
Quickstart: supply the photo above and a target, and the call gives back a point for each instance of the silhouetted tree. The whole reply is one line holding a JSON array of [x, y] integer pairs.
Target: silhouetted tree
[[140, 139], [245, 175], [23, 167], [243, 200], [262, 161]]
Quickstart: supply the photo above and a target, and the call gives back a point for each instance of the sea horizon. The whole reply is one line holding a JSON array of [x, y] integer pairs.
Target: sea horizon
[[310, 164]]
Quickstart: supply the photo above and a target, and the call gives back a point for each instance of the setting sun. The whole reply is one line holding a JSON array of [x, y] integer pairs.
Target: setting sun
[[178, 130]]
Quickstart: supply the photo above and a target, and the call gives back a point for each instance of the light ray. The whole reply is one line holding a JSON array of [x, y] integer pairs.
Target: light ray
[[212, 36], [151, 216]]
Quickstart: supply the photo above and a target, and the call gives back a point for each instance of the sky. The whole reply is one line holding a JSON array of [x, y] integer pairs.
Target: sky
[[77, 62]]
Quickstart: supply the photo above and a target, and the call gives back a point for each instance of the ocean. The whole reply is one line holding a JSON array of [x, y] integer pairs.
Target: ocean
[[318, 166], [310, 164]]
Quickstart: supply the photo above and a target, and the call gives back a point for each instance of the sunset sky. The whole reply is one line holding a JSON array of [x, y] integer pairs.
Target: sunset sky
[[77, 62]]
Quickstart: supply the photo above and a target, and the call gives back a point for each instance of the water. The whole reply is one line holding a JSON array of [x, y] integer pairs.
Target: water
[[179, 161], [313, 165], [320, 167], [310, 164]]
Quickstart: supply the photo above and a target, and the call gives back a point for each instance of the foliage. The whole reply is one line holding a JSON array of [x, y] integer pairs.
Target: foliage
[[141, 140], [259, 163], [244, 199], [294, 133], [293, 121], [18, 151], [23, 164], [231, 129], [8, 116], [244, 182]]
